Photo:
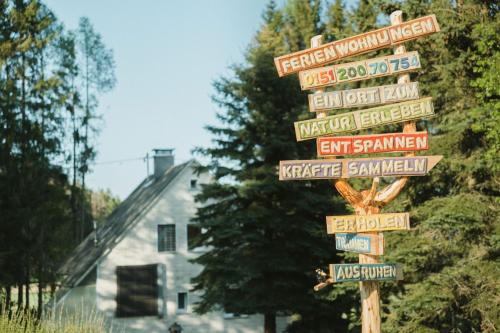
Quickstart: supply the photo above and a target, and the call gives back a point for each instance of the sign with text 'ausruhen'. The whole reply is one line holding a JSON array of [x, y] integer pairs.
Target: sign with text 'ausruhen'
[[357, 168], [355, 45], [360, 243], [367, 223], [365, 272], [363, 119], [373, 143], [359, 70], [343, 99]]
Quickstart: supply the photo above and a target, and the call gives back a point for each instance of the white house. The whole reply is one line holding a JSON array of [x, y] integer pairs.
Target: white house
[[135, 269]]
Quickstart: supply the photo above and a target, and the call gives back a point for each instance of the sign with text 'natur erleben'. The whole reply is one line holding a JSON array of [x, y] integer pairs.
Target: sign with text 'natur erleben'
[[372, 143], [367, 223], [365, 272], [359, 70], [364, 119], [360, 243], [343, 99], [355, 45], [357, 168]]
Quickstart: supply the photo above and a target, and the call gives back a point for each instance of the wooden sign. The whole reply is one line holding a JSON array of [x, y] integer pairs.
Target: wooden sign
[[359, 70], [355, 45], [342, 99], [373, 143], [357, 168], [363, 119], [367, 223], [360, 243], [365, 272]]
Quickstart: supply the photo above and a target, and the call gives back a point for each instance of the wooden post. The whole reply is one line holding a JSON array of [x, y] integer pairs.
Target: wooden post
[[370, 202]]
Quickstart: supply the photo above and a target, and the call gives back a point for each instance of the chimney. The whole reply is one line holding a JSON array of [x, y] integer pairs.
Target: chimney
[[163, 160]]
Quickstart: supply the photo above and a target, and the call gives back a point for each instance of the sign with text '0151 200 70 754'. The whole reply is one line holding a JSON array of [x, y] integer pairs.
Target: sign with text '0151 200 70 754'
[[355, 45], [357, 168], [367, 223], [365, 272], [361, 243], [371, 143], [364, 119], [359, 70], [343, 99]]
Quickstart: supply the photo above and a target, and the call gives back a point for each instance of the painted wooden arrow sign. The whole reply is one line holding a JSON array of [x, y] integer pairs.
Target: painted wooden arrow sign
[[374, 143], [359, 70], [360, 243], [355, 45], [357, 168], [367, 223], [361, 97], [363, 119], [365, 272]]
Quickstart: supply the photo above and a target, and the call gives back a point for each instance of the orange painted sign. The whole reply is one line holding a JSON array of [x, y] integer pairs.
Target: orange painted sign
[[374, 143], [355, 45]]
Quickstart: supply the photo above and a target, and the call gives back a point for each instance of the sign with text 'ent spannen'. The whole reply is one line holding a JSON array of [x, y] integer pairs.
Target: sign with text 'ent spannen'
[[348, 47]]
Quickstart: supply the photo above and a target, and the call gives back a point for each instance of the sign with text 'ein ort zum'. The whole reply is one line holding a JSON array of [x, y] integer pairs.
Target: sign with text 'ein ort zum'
[[364, 119], [343, 99], [365, 272], [361, 243], [372, 143], [367, 223], [359, 70], [355, 45], [357, 168]]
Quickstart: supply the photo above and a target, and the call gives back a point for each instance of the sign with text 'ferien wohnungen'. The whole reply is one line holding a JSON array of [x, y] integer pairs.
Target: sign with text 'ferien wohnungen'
[[367, 223], [359, 70], [343, 99], [365, 272], [355, 45], [357, 168], [361, 243], [363, 119]]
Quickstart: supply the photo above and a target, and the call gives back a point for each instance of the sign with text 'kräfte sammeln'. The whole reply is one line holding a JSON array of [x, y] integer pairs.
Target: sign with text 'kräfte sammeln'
[[365, 272], [359, 70], [367, 223], [355, 45], [360, 243], [373, 143], [343, 99], [364, 119]]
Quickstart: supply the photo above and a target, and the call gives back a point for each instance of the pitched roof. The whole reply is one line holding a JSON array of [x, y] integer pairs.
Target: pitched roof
[[126, 215]]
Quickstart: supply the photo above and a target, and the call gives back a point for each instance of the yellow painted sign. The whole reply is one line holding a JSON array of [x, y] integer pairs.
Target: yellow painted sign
[[367, 223]]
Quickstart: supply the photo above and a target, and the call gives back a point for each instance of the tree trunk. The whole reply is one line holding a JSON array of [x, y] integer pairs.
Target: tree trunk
[[8, 290], [27, 301], [270, 323], [20, 295], [40, 291]]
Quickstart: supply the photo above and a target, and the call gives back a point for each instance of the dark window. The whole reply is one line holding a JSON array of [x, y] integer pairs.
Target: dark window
[[137, 291], [182, 301], [166, 237], [193, 183], [193, 232]]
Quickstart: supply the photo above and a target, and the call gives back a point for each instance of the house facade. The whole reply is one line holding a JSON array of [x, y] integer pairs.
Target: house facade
[[135, 270]]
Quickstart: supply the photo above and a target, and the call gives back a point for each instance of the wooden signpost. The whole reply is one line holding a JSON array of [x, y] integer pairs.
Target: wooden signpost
[[357, 168], [361, 233], [342, 99], [361, 243], [364, 119], [359, 70], [356, 45]]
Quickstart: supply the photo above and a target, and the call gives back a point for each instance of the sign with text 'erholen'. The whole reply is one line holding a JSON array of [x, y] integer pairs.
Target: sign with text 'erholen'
[[360, 243], [357, 168], [343, 99], [355, 45], [373, 143], [365, 272], [359, 70], [363, 119], [367, 223]]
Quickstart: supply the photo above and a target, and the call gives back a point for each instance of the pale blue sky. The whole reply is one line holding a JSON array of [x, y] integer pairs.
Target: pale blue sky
[[167, 54]]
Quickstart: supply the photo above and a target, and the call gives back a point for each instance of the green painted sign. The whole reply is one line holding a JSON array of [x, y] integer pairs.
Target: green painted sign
[[365, 272]]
